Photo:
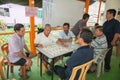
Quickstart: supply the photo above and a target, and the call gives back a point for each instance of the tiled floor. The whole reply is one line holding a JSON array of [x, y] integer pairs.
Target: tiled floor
[[114, 73]]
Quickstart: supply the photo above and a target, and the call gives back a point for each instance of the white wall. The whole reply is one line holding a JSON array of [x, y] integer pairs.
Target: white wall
[[111, 4], [114, 4], [56, 12]]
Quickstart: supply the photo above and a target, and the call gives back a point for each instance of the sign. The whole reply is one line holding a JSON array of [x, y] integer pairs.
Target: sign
[[40, 13], [31, 11]]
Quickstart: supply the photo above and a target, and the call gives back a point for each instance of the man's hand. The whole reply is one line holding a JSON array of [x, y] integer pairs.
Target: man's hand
[[40, 45], [28, 62], [65, 45], [113, 43], [115, 39], [31, 55]]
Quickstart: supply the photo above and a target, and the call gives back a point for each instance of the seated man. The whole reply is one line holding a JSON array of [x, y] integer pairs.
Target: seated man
[[100, 42], [82, 55], [16, 44], [66, 35], [45, 38]]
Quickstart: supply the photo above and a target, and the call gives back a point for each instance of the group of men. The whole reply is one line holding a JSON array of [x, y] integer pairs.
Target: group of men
[[106, 37]]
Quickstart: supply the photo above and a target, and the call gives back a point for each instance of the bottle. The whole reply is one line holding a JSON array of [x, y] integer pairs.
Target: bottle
[[73, 42]]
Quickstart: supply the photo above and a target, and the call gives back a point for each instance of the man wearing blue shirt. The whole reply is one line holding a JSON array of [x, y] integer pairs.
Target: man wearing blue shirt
[[82, 55], [111, 29], [66, 35]]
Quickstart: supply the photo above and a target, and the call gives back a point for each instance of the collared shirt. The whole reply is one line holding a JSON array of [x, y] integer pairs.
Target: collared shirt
[[81, 56], [63, 35], [99, 44], [15, 44], [110, 28], [78, 25], [44, 40]]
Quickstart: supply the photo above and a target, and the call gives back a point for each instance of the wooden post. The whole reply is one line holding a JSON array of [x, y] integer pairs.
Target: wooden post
[[87, 6], [32, 29], [99, 11], [1, 69]]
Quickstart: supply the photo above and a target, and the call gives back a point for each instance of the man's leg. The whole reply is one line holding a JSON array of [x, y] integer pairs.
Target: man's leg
[[108, 59], [23, 72], [22, 62], [28, 68], [60, 71]]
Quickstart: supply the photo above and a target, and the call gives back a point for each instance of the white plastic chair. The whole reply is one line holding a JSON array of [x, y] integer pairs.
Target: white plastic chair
[[99, 60]]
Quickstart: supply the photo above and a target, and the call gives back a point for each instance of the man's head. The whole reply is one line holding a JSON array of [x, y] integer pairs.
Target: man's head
[[98, 30], [47, 29], [66, 27], [85, 37], [86, 17], [19, 29], [110, 14]]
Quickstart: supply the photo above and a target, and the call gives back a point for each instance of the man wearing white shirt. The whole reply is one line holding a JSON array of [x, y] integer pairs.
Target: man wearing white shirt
[[66, 35], [45, 38]]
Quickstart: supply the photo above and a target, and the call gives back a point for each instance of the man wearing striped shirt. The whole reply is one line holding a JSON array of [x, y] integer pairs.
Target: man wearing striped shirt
[[100, 42]]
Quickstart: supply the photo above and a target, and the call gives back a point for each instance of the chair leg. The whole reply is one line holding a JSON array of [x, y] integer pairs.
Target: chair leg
[[38, 59], [11, 69], [7, 71], [59, 79], [4, 66], [98, 69], [24, 72], [1, 72], [43, 68], [103, 64]]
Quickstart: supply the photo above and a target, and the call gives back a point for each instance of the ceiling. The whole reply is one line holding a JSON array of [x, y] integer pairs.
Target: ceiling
[[92, 1]]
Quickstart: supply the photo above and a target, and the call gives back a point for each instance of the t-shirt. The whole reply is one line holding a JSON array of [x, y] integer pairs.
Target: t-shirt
[[15, 44], [99, 44], [44, 40], [78, 25], [62, 35], [81, 56]]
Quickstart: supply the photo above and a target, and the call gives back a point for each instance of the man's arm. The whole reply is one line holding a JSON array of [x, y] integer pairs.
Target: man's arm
[[38, 45], [26, 48], [115, 39], [61, 43], [20, 54], [65, 40], [117, 33]]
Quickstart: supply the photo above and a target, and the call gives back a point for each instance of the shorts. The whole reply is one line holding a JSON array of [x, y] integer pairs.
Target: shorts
[[21, 62]]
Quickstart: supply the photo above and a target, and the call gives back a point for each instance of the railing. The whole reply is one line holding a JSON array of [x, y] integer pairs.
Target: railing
[[5, 36]]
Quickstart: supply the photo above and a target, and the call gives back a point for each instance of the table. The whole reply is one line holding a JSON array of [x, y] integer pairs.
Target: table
[[55, 50]]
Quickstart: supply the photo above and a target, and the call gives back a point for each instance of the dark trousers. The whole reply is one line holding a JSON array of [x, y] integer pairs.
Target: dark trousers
[[60, 71], [108, 59], [64, 73]]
